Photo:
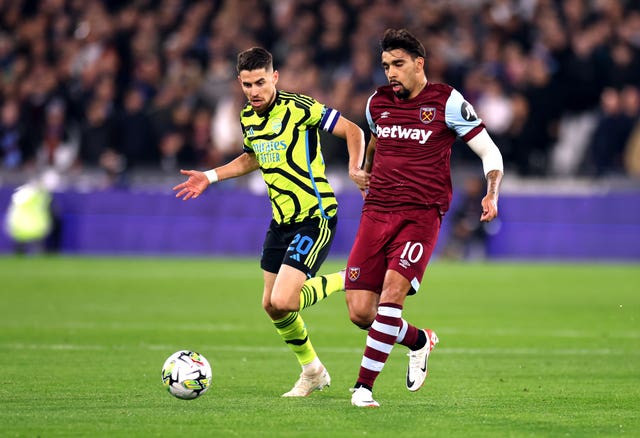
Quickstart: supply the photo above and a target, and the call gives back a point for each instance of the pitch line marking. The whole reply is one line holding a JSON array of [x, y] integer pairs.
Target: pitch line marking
[[335, 350], [204, 327]]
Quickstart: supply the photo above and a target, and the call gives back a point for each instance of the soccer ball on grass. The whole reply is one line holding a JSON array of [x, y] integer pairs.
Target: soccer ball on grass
[[186, 374]]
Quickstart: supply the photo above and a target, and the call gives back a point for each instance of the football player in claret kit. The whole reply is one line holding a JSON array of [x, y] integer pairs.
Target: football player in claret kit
[[281, 139], [414, 124]]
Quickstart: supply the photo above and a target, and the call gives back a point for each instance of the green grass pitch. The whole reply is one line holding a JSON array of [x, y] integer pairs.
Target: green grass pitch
[[525, 350]]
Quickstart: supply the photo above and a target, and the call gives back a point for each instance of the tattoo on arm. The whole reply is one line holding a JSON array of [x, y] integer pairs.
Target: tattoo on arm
[[493, 182]]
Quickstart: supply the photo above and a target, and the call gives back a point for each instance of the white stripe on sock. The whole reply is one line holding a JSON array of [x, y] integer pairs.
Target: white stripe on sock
[[380, 346], [385, 328], [403, 332], [371, 364], [390, 311]]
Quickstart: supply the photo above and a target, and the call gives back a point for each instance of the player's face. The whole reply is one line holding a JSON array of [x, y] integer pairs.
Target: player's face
[[259, 86], [404, 73]]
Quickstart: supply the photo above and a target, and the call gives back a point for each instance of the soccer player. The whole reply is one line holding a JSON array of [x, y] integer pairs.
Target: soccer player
[[414, 124], [281, 139]]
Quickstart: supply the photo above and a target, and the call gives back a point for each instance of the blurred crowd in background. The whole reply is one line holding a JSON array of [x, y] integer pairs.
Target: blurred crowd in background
[[114, 87]]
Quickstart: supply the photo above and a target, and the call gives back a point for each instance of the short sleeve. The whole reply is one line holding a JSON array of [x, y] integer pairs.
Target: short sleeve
[[246, 143], [460, 115], [370, 122], [320, 116]]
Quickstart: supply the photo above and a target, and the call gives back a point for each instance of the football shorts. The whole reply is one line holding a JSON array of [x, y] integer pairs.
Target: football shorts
[[402, 241], [303, 245]]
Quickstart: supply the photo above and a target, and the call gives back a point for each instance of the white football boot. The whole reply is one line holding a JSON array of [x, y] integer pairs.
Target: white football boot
[[363, 398], [309, 382], [417, 369]]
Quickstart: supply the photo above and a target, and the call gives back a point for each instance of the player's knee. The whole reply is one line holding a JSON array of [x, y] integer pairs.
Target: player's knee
[[285, 304], [270, 310], [361, 319], [274, 314], [266, 304]]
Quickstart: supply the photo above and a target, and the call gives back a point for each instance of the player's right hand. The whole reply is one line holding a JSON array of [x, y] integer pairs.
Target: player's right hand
[[361, 178], [193, 186]]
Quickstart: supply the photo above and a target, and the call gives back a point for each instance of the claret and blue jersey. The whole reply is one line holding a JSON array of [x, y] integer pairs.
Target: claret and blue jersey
[[415, 138]]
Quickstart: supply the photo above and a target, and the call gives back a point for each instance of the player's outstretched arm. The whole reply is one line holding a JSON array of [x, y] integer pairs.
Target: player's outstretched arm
[[197, 181]]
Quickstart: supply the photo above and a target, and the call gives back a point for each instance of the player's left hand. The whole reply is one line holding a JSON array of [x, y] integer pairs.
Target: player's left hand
[[489, 209]]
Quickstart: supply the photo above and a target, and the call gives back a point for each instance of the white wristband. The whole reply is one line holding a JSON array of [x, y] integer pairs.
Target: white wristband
[[212, 176]]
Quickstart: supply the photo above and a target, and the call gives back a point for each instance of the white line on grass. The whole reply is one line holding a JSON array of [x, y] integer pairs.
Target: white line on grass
[[627, 334], [206, 327], [338, 350]]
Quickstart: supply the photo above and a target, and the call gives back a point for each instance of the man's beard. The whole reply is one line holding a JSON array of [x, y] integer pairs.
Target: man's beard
[[403, 93]]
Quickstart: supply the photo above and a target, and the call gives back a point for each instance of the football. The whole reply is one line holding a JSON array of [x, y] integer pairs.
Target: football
[[186, 374]]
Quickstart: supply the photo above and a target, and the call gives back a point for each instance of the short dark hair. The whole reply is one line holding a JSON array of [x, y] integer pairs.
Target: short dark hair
[[254, 58], [402, 39]]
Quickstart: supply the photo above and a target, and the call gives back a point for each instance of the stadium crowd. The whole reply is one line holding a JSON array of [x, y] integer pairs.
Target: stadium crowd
[[151, 84]]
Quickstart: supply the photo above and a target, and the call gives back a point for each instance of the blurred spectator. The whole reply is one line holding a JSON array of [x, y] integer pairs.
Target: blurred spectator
[[537, 130], [632, 152], [204, 154], [624, 65], [226, 141], [618, 116], [468, 237], [96, 134], [97, 142], [59, 147], [135, 136], [175, 151], [11, 136], [219, 77], [299, 74], [496, 108], [171, 144], [581, 78]]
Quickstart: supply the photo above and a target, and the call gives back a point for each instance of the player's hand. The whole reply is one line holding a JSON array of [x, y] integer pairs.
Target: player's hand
[[193, 186], [489, 208], [361, 178]]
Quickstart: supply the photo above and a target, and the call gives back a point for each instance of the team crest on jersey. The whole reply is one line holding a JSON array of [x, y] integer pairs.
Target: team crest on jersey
[[354, 273], [276, 125], [427, 114]]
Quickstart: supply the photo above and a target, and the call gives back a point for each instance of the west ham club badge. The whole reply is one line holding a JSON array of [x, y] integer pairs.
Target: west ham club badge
[[427, 114]]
